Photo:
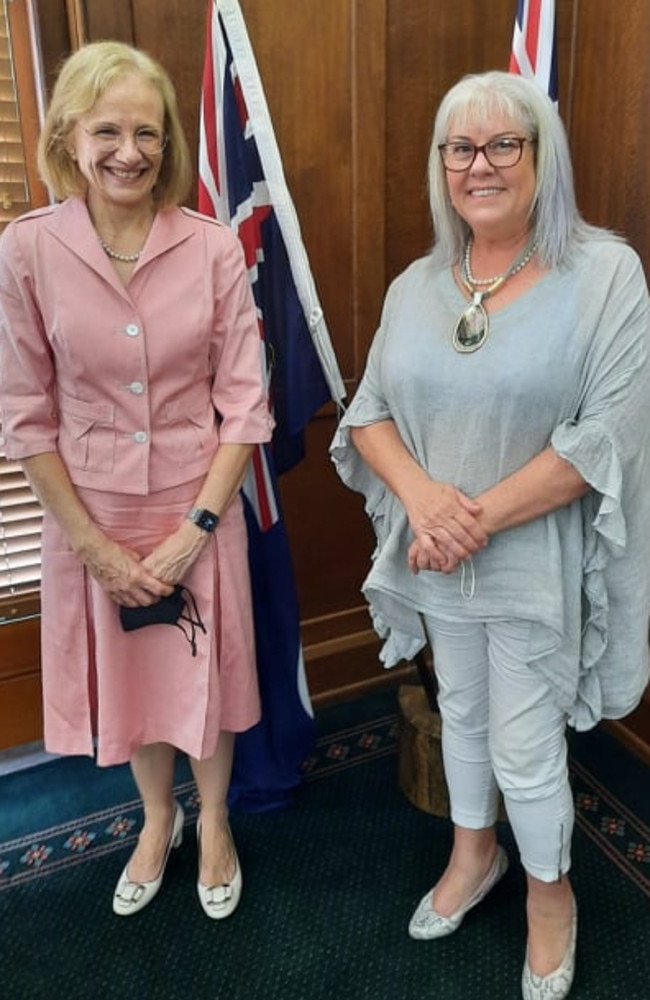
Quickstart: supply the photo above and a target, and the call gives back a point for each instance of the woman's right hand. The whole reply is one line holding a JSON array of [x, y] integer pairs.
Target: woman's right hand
[[118, 570], [121, 574], [445, 527]]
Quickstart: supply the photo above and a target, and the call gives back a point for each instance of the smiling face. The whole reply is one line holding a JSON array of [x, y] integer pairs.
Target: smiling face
[[122, 178], [495, 202]]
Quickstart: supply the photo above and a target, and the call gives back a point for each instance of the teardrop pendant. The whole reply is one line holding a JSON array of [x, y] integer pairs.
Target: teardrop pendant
[[473, 326]]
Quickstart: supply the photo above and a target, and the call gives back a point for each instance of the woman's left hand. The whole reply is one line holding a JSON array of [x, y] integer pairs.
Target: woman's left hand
[[434, 557], [171, 560]]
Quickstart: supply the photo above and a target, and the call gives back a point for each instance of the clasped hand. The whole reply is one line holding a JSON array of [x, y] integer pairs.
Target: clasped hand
[[133, 580], [446, 528]]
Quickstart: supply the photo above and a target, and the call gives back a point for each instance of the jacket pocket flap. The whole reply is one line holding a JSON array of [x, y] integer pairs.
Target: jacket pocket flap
[[85, 415]]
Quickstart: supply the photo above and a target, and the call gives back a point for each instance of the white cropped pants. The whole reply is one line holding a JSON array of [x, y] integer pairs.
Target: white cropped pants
[[502, 730]]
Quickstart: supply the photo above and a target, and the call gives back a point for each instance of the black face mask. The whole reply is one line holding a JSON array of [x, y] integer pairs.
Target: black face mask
[[179, 607]]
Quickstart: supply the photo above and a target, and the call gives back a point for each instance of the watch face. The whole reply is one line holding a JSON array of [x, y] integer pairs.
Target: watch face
[[204, 519], [207, 520]]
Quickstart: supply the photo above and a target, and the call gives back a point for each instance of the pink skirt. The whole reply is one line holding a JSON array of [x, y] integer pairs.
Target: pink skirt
[[116, 691]]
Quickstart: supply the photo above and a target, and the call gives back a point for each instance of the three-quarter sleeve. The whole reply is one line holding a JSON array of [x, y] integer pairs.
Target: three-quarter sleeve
[[27, 379], [239, 385]]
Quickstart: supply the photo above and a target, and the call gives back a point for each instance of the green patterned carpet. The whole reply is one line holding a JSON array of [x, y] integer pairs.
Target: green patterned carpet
[[329, 886]]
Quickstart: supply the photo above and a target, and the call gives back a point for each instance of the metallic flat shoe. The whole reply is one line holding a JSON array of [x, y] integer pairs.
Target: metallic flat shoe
[[131, 897], [219, 901], [556, 985], [426, 924]]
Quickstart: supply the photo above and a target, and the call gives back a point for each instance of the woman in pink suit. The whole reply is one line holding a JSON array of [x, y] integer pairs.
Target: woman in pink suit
[[132, 393]]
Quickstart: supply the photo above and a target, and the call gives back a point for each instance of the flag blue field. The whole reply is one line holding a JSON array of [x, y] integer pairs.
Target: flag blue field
[[241, 182]]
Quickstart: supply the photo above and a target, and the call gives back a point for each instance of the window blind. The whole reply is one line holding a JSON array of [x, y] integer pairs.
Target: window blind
[[20, 513], [20, 533], [14, 191]]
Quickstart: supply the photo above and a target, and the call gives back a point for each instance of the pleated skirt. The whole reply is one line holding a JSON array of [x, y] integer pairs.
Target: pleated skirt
[[107, 692]]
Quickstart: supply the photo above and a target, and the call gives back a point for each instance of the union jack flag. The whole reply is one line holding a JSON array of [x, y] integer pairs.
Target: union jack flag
[[241, 182], [533, 44]]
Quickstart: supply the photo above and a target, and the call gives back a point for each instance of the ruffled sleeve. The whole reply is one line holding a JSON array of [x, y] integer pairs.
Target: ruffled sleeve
[[608, 444], [404, 636]]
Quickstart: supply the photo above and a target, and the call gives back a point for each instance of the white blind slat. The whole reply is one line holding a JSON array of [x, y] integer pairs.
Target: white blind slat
[[19, 518], [24, 579], [20, 538], [14, 191], [23, 559], [20, 532], [13, 502], [16, 545]]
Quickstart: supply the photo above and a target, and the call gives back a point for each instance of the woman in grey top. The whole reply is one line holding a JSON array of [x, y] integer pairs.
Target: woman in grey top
[[500, 436]]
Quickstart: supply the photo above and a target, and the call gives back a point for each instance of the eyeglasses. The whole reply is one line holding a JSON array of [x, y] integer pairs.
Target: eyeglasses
[[503, 152], [108, 138]]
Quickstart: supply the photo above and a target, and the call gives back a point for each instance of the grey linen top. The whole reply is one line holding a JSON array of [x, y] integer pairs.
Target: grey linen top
[[566, 363]]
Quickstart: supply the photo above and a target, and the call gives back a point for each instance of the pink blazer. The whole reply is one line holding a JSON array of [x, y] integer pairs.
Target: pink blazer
[[135, 387]]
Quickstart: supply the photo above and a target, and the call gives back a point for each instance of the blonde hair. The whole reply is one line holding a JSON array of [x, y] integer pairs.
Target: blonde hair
[[85, 76]]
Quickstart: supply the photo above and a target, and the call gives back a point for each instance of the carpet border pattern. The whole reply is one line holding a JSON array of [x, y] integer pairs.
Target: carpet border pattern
[[617, 832]]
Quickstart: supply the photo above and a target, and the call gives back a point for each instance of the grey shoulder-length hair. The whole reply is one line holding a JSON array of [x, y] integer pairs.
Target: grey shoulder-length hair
[[554, 214]]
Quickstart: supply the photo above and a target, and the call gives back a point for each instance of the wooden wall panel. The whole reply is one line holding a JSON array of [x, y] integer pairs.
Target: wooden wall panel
[[610, 133], [55, 34], [173, 32], [21, 717], [430, 46], [96, 20], [20, 710]]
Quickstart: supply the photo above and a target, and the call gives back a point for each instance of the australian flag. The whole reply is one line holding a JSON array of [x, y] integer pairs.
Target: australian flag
[[534, 50], [241, 183]]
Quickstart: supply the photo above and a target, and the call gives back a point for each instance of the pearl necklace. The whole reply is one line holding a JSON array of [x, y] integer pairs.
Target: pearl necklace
[[126, 258], [467, 268], [473, 325]]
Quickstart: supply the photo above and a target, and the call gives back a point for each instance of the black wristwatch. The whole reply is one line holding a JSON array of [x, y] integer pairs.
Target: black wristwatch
[[203, 518]]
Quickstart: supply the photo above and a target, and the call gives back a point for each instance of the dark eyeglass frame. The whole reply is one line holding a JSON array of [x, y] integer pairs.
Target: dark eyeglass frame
[[517, 139], [111, 143]]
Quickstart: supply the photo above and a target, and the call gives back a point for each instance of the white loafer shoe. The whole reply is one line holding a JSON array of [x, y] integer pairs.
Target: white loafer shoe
[[131, 897], [219, 901], [557, 984], [426, 924]]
